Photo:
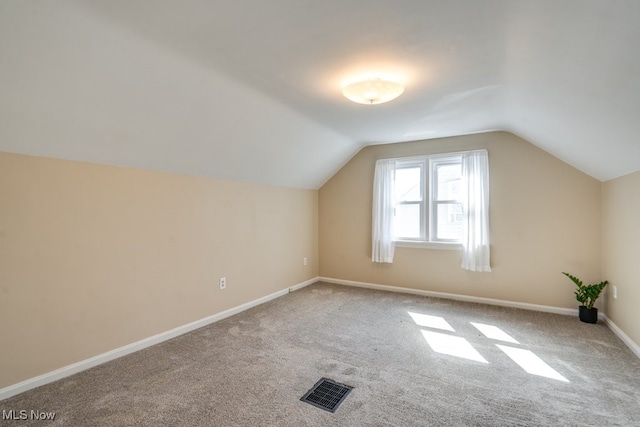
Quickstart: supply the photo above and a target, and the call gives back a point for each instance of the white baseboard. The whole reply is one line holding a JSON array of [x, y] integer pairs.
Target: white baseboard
[[491, 301], [635, 348], [74, 368], [304, 284], [66, 371]]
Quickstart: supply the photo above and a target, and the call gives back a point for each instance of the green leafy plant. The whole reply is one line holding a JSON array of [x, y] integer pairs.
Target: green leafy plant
[[587, 294]]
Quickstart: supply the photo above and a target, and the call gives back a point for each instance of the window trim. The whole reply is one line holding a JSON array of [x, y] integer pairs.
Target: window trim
[[449, 246]]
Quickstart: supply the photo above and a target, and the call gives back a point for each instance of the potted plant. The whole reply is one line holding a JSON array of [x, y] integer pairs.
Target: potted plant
[[587, 295]]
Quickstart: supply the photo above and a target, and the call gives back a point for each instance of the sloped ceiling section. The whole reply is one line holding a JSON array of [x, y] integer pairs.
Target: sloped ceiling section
[[251, 90], [76, 87]]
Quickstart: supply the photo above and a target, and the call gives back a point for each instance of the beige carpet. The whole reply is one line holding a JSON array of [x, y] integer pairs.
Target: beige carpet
[[433, 367]]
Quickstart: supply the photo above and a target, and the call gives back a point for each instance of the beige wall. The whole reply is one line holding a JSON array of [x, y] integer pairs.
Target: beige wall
[[96, 257], [545, 218], [620, 236]]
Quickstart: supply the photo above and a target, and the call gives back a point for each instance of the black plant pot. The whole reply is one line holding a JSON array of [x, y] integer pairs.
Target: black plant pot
[[588, 315]]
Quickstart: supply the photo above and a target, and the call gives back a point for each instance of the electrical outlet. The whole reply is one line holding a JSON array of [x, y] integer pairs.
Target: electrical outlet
[[223, 283], [305, 261], [614, 291]]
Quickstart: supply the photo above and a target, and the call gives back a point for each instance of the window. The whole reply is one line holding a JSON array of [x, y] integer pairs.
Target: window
[[433, 200], [428, 204]]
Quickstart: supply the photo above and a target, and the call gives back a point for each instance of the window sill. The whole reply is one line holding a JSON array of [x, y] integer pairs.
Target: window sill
[[428, 245]]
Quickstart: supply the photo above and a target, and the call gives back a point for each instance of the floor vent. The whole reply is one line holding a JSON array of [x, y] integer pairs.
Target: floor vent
[[327, 395]]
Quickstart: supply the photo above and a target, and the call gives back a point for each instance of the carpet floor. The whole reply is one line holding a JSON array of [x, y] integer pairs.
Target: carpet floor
[[412, 360]]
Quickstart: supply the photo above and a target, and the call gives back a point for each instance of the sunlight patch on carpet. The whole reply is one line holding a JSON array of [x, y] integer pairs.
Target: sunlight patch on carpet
[[531, 363], [428, 321], [452, 346], [494, 333]]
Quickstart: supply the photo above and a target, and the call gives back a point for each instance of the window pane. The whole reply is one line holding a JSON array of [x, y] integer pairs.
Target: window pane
[[448, 179], [407, 221], [449, 225], [408, 185]]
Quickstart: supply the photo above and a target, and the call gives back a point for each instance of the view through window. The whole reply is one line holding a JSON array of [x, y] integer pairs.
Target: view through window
[[428, 199]]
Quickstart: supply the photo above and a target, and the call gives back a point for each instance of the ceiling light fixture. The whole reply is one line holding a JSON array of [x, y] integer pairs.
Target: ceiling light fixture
[[373, 91]]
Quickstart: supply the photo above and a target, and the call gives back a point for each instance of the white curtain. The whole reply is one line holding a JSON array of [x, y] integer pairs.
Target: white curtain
[[383, 206], [475, 200]]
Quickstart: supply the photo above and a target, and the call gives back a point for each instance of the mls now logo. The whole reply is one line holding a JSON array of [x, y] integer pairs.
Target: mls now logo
[[24, 414]]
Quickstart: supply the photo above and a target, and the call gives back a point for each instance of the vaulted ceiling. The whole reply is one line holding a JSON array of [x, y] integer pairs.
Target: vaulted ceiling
[[250, 90]]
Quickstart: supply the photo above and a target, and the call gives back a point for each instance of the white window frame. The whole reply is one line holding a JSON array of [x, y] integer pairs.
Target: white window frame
[[434, 162], [423, 203], [428, 205]]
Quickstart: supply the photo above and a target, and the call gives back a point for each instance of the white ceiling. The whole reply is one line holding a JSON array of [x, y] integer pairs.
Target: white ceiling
[[251, 90]]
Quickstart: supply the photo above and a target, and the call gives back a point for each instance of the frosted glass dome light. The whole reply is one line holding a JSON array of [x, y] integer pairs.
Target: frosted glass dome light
[[372, 91]]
